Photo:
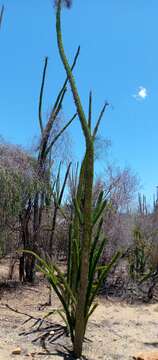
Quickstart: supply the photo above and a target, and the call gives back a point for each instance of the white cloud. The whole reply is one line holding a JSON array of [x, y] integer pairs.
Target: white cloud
[[141, 94]]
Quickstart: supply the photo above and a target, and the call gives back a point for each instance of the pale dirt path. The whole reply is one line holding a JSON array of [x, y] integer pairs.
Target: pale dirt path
[[117, 331]]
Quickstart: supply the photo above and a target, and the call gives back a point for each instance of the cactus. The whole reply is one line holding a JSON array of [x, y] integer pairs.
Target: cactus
[[1, 14], [138, 256], [78, 288], [85, 256]]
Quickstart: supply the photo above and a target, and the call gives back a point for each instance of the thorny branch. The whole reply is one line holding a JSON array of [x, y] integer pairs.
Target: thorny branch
[[1, 15]]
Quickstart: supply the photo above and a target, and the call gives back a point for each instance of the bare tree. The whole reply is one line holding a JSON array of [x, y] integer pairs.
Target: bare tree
[[18, 183], [120, 187]]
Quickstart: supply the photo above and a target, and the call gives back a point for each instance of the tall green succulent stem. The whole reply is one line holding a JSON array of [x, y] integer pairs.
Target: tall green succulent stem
[[83, 221], [87, 171], [85, 252], [67, 67], [76, 222]]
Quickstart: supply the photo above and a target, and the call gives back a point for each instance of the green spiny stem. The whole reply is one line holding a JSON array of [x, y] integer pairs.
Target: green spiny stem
[[103, 276], [99, 212], [69, 265], [76, 223], [82, 233], [61, 192], [78, 211], [95, 241], [57, 202], [85, 252], [65, 83], [92, 271], [1, 15], [67, 67], [90, 111], [99, 120], [41, 94]]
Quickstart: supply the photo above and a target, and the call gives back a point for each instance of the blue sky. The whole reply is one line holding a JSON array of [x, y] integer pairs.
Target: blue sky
[[118, 61]]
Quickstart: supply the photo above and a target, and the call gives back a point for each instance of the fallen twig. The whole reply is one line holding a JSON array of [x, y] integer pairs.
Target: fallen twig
[[30, 317]]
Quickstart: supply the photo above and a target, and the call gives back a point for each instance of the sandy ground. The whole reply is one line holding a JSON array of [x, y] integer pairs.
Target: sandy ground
[[116, 330]]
